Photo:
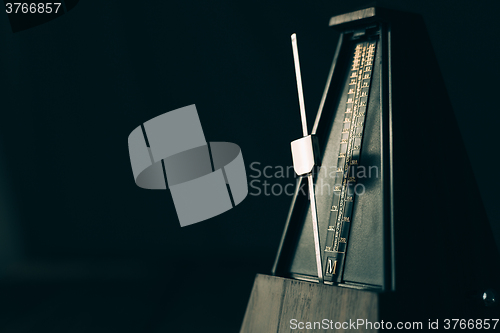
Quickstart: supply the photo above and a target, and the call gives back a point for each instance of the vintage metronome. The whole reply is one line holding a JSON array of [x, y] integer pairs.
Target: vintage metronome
[[394, 228]]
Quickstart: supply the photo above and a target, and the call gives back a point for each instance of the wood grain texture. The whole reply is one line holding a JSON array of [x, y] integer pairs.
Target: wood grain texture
[[353, 16], [275, 301]]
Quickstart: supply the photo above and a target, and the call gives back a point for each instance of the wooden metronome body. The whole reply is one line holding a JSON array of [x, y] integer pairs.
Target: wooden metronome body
[[415, 244]]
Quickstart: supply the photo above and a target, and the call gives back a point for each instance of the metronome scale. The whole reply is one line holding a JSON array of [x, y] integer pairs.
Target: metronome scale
[[349, 147], [394, 200]]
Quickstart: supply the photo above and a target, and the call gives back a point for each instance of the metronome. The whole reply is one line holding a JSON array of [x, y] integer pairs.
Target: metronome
[[393, 211]]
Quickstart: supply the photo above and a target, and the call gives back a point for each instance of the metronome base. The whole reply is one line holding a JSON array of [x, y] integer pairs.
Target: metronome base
[[284, 305]]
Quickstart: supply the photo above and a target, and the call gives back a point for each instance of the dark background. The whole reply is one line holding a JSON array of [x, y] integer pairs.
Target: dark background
[[82, 248]]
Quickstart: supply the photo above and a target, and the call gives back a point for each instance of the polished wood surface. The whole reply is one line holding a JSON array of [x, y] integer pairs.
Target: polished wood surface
[[276, 301]]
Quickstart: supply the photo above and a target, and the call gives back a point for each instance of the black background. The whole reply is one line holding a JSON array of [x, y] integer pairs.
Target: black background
[[82, 248]]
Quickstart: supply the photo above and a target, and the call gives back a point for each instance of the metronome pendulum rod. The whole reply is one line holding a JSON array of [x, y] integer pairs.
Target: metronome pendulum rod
[[299, 85], [309, 148], [314, 215]]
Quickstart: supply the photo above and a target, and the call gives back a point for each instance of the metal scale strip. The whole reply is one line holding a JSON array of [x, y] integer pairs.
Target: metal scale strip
[[350, 146]]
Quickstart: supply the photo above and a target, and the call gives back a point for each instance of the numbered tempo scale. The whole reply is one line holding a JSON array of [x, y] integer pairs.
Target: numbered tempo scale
[[391, 199], [350, 145]]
